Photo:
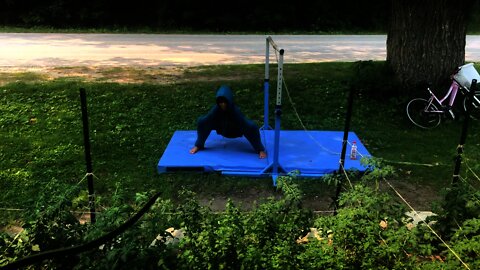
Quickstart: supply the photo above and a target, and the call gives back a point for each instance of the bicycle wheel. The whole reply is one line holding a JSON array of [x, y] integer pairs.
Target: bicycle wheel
[[475, 112], [422, 116]]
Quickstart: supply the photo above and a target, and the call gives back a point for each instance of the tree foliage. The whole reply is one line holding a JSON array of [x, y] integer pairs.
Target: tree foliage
[[211, 15]]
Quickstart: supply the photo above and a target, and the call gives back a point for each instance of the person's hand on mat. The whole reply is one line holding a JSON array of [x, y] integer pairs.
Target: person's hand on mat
[[228, 121], [194, 150]]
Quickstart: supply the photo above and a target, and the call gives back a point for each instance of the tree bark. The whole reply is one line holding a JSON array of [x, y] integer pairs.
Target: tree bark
[[426, 40]]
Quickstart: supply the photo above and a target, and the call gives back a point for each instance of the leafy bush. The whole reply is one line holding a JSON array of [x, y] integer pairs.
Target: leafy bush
[[51, 226], [369, 231], [461, 203], [263, 238]]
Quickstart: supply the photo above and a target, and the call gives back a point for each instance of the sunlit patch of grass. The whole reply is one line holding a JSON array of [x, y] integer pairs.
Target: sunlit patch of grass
[[151, 75], [26, 77]]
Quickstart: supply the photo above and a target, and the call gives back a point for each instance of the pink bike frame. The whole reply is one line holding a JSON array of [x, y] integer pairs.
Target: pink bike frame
[[453, 89], [452, 92]]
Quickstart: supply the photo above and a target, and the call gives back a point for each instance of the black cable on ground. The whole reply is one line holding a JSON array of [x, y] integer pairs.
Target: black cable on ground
[[84, 247]]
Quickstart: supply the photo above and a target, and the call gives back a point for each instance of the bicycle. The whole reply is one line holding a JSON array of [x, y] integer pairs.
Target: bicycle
[[428, 113]]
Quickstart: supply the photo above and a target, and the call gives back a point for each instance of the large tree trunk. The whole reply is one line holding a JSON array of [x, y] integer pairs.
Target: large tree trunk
[[426, 39]]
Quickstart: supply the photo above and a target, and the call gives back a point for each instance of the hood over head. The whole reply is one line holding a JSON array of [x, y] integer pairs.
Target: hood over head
[[225, 92]]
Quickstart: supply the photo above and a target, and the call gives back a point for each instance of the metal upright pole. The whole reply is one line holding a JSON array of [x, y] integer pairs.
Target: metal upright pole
[[278, 113], [266, 84], [88, 158], [274, 167], [341, 169], [463, 136]]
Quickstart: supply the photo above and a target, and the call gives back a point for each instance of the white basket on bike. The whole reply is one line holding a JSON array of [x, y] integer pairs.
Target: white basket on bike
[[466, 74]]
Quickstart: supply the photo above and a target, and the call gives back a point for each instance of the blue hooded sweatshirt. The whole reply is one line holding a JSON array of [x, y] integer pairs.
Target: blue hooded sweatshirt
[[230, 123]]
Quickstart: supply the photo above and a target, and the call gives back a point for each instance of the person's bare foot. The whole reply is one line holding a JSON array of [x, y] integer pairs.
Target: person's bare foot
[[194, 150], [262, 155]]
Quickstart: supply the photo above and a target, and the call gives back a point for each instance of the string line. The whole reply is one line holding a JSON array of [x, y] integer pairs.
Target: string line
[[303, 125], [429, 227]]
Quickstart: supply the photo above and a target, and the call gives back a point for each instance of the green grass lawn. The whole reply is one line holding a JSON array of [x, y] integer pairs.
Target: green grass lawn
[[41, 149]]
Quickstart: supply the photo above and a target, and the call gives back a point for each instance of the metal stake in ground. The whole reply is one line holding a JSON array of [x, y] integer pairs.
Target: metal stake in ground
[[463, 136], [341, 169], [88, 157]]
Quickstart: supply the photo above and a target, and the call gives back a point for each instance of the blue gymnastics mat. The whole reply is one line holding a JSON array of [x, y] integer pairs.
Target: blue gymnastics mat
[[312, 153]]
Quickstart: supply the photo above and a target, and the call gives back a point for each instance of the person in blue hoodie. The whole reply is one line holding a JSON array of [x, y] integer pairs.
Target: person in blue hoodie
[[227, 120]]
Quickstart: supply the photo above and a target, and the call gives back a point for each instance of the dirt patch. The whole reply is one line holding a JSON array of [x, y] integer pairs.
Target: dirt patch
[[137, 74], [419, 196], [12, 230], [156, 75]]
